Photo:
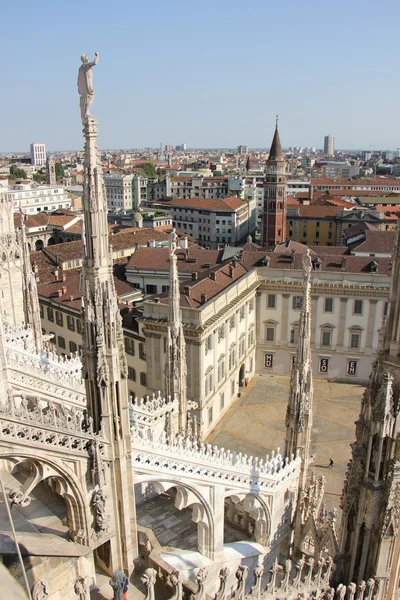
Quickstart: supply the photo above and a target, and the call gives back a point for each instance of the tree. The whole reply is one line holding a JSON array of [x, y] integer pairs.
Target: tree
[[39, 177], [59, 171], [149, 170], [18, 174]]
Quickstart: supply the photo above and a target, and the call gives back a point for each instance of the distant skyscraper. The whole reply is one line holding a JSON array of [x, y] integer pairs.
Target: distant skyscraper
[[38, 154], [243, 149], [329, 145]]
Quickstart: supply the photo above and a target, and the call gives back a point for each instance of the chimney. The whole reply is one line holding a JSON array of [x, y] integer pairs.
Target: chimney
[[186, 290], [234, 263], [64, 289], [292, 257], [213, 276], [203, 298], [152, 243], [156, 300], [231, 271], [184, 243], [56, 272], [195, 276], [343, 264], [64, 277], [59, 293]]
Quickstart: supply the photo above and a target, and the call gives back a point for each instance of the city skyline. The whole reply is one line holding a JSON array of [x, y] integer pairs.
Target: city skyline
[[212, 85]]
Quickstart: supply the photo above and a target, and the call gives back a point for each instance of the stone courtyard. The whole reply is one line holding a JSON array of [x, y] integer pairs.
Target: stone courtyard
[[255, 425]]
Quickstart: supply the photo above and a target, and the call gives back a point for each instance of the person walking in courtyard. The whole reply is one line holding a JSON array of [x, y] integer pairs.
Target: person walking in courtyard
[[330, 464]]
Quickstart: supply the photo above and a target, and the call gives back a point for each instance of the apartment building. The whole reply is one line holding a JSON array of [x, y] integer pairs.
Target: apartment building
[[31, 198], [125, 192], [219, 327], [60, 301], [213, 223]]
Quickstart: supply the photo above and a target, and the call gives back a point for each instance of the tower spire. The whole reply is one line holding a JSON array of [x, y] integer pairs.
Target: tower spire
[[29, 289], [299, 415], [103, 356], [175, 367], [274, 213]]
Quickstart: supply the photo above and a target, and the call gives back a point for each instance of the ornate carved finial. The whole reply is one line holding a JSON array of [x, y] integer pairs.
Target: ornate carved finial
[[40, 590], [82, 587], [149, 578], [118, 582], [276, 120]]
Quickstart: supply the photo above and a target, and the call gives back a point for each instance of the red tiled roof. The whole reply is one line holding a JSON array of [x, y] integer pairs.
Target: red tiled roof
[[378, 241], [229, 203]]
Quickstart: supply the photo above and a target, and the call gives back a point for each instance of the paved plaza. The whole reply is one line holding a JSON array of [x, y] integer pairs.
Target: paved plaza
[[255, 424]]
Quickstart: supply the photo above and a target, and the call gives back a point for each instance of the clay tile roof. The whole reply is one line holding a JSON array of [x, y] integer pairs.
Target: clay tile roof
[[229, 203], [378, 241], [321, 212], [194, 259]]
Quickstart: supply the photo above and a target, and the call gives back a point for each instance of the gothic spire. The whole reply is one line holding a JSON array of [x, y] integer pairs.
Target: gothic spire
[[275, 152], [29, 289], [175, 366], [103, 356], [299, 410]]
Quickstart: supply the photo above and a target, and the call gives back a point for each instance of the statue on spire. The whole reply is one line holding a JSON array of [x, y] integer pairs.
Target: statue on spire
[[85, 84]]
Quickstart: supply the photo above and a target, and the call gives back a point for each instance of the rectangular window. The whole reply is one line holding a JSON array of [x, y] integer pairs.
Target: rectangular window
[[61, 341], [358, 307], [41, 310], [241, 347], [151, 289], [50, 314], [241, 314], [210, 415], [328, 305], [270, 334], [221, 333], [142, 351], [232, 323], [251, 305], [208, 344], [59, 319], [78, 325], [326, 338], [130, 346], [222, 401], [208, 385], [294, 335], [232, 387], [385, 309], [297, 302], [165, 288], [221, 369], [355, 340], [72, 347], [271, 301], [132, 374], [143, 379], [250, 338], [70, 323]]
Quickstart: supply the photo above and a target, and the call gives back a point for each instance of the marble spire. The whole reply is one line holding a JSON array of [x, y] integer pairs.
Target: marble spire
[[299, 415], [175, 365], [103, 353], [29, 289]]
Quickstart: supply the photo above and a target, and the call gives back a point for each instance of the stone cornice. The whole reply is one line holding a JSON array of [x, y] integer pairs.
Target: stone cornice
[[318, 289]]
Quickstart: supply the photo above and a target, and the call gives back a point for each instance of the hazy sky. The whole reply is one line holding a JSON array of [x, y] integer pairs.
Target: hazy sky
[[210, 73]]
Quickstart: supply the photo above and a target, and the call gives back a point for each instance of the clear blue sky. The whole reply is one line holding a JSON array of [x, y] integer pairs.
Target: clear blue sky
[[210, 73]]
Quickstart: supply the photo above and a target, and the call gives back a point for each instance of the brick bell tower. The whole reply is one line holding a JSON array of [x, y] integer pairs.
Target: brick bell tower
[[274, 214]]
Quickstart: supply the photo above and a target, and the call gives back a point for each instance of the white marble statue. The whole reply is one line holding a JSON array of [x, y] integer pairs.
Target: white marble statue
[[85, 84]]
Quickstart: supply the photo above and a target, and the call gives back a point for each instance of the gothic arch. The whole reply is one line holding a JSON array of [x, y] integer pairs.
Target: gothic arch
[[65, 483], [188, 495], [258, 509]]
